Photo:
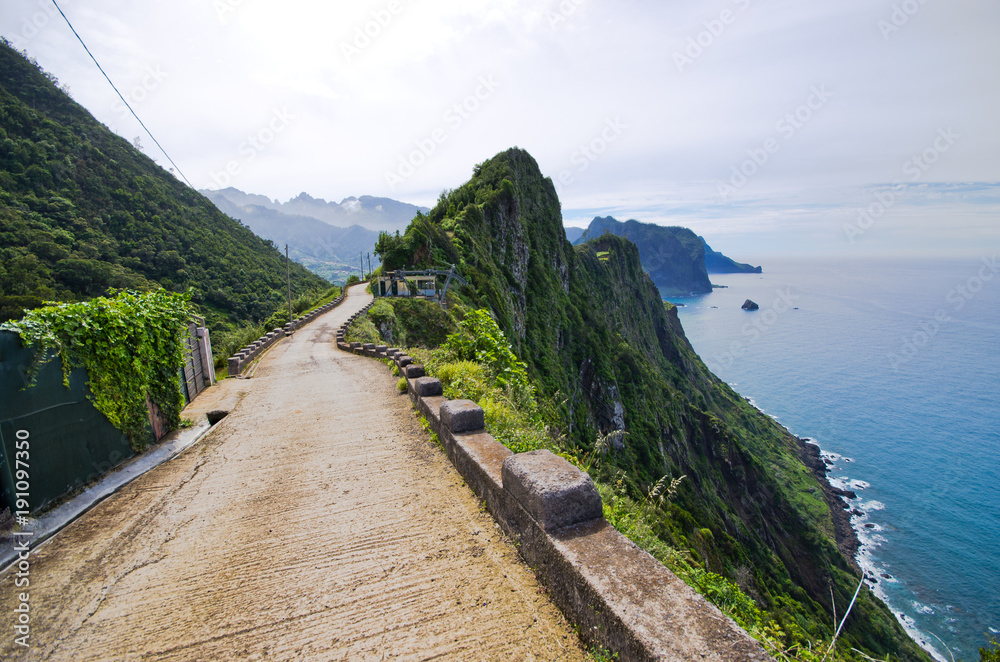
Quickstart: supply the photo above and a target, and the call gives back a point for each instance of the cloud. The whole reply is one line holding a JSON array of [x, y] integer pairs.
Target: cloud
[[368, 81]]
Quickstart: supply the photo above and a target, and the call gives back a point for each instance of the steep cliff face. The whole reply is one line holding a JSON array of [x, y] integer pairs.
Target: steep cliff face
[[717, 263], [607, 355], [674, 257]]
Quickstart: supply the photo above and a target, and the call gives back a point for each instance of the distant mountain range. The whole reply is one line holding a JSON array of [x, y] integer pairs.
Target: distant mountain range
[[327, 237], [82, 212], [677, 259]]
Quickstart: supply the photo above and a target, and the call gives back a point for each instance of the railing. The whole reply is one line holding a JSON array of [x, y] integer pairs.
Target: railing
[[619, 597], [239, 361]]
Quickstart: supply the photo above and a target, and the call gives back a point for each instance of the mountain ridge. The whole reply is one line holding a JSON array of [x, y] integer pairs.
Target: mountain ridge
[[327, 237], [673, 256], [606, 355], [372, 213]]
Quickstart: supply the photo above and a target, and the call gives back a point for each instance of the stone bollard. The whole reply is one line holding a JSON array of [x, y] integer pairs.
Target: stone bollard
[[368, 347], [402, 360], [413, 371], [391, 352], [234, 366], [426, 387], [554, 492], [381, 349], [462, 416]]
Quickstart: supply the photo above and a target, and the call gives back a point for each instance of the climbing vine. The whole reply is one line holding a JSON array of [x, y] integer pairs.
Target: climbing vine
[[131, 345]]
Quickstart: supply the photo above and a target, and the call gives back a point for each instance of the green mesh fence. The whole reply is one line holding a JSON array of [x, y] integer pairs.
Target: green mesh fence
[[69, 442]]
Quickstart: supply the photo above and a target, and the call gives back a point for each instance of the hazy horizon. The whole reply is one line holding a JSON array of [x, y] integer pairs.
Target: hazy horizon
[[772, 128]]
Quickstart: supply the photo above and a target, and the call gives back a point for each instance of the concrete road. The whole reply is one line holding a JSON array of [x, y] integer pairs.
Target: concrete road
[[316, 522]]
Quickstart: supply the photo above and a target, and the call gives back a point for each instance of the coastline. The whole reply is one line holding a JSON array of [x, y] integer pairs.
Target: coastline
[[850, 318], [851, 527], [855, 535], [838, 498]]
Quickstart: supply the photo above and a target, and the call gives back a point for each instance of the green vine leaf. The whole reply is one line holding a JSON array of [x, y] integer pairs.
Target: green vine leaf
[[131, 344]]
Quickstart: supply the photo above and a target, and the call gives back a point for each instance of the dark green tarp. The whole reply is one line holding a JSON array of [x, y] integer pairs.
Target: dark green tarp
[[70, 442]]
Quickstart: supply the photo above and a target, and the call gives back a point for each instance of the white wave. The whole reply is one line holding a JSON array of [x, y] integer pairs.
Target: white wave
[[840, 483], [870, 538]]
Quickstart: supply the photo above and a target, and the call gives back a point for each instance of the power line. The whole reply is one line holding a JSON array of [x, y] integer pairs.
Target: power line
[[106, 77]]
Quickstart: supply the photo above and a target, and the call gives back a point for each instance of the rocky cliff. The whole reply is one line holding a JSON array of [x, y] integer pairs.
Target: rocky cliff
[[717, 263], [674, 257], [606, 354]]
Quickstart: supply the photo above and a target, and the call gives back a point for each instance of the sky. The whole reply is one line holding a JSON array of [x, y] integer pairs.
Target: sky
[[856, 128]]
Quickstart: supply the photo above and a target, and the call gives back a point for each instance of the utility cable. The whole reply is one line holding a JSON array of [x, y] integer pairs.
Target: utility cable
[[106, 77]]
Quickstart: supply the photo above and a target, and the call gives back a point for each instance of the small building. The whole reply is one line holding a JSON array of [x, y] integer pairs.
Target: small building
[[423, 284]]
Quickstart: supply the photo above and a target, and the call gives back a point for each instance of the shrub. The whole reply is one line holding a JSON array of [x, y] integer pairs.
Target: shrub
[[480, 339], [513, 428], [362, 330], [991, 654], [463, 380], [227, 343], [383, 317]]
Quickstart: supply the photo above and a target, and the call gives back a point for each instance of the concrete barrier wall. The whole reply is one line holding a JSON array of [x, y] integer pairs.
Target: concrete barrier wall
[[241, 359], [620, 598]]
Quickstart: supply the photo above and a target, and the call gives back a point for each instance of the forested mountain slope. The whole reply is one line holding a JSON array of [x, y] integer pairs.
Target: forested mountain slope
[[82, 211]]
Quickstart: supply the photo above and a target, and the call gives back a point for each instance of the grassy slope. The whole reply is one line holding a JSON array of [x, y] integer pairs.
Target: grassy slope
[[606, 353], [82, 211]]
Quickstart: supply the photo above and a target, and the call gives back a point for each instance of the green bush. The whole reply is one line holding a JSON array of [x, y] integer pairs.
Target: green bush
[[991, 654], [512, 427], [479, 339], [463, 380], [362, 330], [383, 317], [420, 323], [226, 343]]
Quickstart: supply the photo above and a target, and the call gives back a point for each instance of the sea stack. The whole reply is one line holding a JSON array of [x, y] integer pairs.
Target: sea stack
[[750, 305]]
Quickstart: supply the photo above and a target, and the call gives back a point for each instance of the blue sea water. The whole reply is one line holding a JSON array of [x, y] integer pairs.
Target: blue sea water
[[893, 368]]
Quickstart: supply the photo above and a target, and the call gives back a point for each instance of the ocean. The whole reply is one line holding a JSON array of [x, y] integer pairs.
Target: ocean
[[893, 369]]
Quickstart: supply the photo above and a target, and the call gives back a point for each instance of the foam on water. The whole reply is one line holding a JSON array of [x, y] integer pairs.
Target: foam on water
[[913, 439]]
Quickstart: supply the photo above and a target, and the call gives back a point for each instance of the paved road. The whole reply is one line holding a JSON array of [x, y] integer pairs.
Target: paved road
[[316, 522]]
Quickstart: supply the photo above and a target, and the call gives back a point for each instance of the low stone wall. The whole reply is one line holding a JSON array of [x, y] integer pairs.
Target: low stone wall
[[241, 359], [621, 598]]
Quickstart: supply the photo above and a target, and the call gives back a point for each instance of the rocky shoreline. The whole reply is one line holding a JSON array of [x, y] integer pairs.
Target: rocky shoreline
[[847, 538]]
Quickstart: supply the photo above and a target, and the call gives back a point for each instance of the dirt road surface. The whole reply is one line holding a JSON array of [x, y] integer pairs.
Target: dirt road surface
[[316, 522]]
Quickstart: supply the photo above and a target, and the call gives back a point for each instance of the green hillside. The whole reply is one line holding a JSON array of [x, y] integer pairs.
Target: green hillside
[[606, 354], [82, 211], [674, 257]]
